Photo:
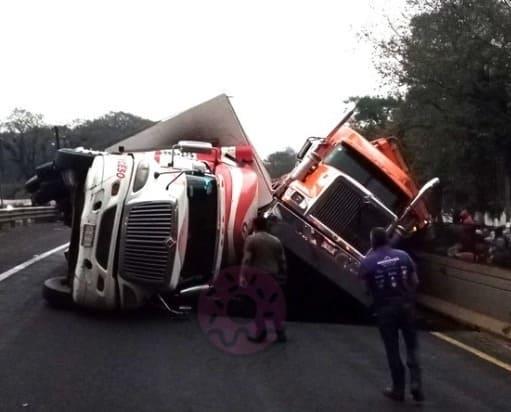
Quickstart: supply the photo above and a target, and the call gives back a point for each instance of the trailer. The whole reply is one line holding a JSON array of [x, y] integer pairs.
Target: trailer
[[157, 215]]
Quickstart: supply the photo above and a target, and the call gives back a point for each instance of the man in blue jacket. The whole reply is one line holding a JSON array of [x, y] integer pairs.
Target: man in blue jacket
[[391, 278]]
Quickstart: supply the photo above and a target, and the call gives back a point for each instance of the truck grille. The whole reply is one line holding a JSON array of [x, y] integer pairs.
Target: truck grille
[[343, 209], [148, 243]]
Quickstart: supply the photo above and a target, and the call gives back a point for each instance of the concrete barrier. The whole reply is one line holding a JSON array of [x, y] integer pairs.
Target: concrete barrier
[[479, 295]]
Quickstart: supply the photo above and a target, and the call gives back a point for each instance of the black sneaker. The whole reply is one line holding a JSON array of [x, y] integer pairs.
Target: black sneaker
[[258, 338], [397, 396], [417, 395]]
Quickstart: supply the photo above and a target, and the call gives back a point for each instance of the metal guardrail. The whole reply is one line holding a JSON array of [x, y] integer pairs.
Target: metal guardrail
[[15, 202], [25, 214]]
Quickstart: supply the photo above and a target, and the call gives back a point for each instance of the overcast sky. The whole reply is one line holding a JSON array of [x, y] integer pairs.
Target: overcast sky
[[288, 65]]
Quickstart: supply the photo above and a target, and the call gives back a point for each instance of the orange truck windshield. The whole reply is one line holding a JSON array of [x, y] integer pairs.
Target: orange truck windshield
[[357, 167]]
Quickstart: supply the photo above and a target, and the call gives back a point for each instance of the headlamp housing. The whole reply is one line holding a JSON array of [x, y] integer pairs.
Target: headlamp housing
[[141, 175]]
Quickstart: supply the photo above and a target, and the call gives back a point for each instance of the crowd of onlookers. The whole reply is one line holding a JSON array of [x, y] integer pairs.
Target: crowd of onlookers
[[470, 241]]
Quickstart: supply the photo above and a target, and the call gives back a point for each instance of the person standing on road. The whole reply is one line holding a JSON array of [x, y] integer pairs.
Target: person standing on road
[[391, 278], [264, 252]]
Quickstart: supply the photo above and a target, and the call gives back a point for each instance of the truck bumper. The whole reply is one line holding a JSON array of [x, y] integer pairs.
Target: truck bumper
[[94, 290], [310, 245]]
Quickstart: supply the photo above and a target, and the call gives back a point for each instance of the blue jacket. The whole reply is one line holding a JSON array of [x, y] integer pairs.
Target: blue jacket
[[391, 276]]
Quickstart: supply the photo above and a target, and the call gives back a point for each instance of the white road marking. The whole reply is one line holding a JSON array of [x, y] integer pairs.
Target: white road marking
[[473, 351], [30, 262], [439, 335]]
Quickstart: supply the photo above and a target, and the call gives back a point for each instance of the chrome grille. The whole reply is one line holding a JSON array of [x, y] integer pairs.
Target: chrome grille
[[148, 243], [345, 211]]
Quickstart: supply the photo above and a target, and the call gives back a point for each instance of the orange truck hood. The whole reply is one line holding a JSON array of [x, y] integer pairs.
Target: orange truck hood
[[392, 165]]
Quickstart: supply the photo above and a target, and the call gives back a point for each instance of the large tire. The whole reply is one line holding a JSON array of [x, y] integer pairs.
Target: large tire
[[79, 161], [47, 171], [32, 185], [57, 292], [49, 190]]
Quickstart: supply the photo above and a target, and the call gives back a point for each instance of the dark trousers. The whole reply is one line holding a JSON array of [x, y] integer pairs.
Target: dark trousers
[[392, 319], [261, 326], [278, 323]]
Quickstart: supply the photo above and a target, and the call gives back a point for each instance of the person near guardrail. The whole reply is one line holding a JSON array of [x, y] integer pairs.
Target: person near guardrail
[[499, 250], [466, 218], [470, 243], [391, 278]]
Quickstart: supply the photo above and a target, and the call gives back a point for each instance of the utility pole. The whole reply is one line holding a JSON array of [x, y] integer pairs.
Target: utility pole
[[57, 139]]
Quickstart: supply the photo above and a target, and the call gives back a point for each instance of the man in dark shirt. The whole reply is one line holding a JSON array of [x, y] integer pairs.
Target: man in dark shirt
[[391, 279], [264, 252]]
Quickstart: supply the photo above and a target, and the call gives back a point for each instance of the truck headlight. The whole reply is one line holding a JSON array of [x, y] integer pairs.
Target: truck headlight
[[88, 235], [300, 200], [115, 187], [141, 176]]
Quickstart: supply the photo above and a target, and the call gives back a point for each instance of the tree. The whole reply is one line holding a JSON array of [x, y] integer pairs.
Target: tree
[[374, 116], [281, 162], [106, 130], [452, 64], [26, 140]]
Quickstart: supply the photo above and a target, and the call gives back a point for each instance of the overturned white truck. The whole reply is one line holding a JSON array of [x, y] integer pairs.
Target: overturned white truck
[[158, 214]]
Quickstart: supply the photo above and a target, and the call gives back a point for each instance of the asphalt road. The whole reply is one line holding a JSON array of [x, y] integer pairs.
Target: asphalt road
[[53, 360], [24, 242]]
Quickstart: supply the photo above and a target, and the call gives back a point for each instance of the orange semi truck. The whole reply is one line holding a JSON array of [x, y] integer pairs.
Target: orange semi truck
[[342, 187]]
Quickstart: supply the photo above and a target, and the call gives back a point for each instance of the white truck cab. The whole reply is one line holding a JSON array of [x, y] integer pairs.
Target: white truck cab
[[157, 214], [119, 209], [155, 223]]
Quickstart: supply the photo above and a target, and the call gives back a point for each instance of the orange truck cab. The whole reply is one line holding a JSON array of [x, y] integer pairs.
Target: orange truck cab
[[342, 187]]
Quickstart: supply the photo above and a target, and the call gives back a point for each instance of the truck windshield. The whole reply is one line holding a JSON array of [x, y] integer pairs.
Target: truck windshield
[[360, 169]]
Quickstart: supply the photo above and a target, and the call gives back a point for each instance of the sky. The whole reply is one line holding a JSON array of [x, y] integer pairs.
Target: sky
[[288, 65]]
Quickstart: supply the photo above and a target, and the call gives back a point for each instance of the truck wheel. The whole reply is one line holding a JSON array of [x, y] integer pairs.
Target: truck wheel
[[49, 190], [74, 160], [57, 292], [47, 171], [32, 184]]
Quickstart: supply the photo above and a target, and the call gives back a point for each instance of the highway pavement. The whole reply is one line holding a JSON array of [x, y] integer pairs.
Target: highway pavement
[[67, 360]]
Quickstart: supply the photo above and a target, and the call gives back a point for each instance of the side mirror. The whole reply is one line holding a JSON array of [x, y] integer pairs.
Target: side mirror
[[306, 146], [423, 190]]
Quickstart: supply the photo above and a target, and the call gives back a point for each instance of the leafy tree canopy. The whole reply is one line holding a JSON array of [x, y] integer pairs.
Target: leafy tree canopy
[[281, 162], [374, 116], [27, 141], [452, 67]]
